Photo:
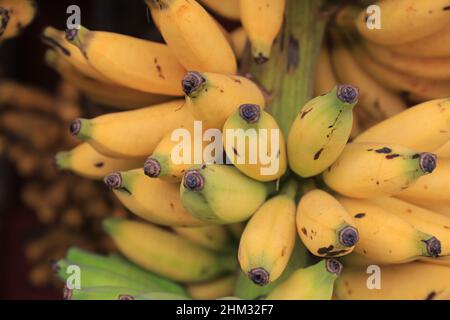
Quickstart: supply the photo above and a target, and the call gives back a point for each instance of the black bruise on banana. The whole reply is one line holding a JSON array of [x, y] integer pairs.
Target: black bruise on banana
[[431, 295], [384, 150], [4, 20], [293, 54], [56, 45], [318, 154], [328, 252], [360, 215]]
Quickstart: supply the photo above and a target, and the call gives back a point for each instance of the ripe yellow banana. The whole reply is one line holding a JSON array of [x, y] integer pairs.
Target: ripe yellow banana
[[429, 68], [321, 130], [412, 281], [262, 20], [214, 97], [367, 170], [420, 218], [435, 45], [194, 36], [165, 253], [132, 134], [424, 127], [105, 93], [441, 207], [15, 15], [404, 21], [325, 79], [239, 41], [154, 200], [139, 64], [226, 8], [255, 144], [443, 151], [87, 162], [215, 289], [214, 237], [324, 226], [221, 194], [387, 238], [269, 238], [313, 283]]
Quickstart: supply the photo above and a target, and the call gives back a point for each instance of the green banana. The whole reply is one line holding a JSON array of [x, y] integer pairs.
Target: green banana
[[99, 293], [155, 296]]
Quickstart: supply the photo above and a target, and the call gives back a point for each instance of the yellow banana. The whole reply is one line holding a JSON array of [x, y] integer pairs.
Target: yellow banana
[[325, 79], [213, 237], [139, 64], [321, 130], [443, 261], [15, 15], [412, 281], [420, 218], [324, 226], [441, 207], [404, 21], [255, 144], [367, 170], [106, 93], [194, 36], [215, 289], [262, 20], [429, 68], [165, 253], [132, 134], [387, 238], [87, 162], [313, 283], [423, 127], [434, 45], [213, 97], [269, 238], [226, 8], [443, 151], [239, 41], [154, 200]]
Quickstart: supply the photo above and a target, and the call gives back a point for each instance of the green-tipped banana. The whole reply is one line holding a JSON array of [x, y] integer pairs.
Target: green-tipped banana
[[100, 293], [165, 253], [313, 283], [214, 237], [124, 268], [221, 194], [321, 131]]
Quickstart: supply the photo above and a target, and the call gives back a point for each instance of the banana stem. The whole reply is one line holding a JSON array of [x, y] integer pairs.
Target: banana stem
[[288, 76]]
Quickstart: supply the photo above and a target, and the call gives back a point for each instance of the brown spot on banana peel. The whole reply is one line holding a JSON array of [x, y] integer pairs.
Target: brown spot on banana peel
[[325, 250], [446, 8], [159, 69], [384, 150], [293, 55], [305, 113], [318, 154], [99, 164], [360, 215], [304, 231], [431, 295], [392, 156]]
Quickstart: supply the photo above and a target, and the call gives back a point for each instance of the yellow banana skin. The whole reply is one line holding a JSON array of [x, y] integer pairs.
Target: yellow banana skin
[[367, 170], [321, 130], [412, 281], [87, 162], [213, 97], [194, 36], [424, 127], [312, 283], [386, 238], [324, 226], [420, 218], [226, 8], [132, 134], [215, 289], [404, 21], [154, 200], [214, 237], [268, 240], [444, 150], [239, 41], [268, 141], [15, 15], [262, 20], [221, 194], [165, 253], [139, 64], [325, 78]]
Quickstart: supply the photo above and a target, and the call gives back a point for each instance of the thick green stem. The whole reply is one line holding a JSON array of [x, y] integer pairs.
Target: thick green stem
[[288, 76]]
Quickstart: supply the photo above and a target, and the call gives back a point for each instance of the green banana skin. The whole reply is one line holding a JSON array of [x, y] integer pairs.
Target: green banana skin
[[157, 296], [121, 266], [99, 293]]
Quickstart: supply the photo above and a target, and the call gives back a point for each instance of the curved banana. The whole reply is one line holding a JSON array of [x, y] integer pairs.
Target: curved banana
[[321, 130], [325, 79], [239, 41], [404, 21], [221, 194], [269, 238], [165, 253], [194, 36], [226, 8], [87, 162], [132, 134], [154, 200], [255, 144], [324, 226], [139, 64], [441, 207], [213, 97], [367, 170], [262, 20], [214, 237], [15, 15], [387, 238], [313, 283], [412, 281], [423, 127], [215, 289]]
